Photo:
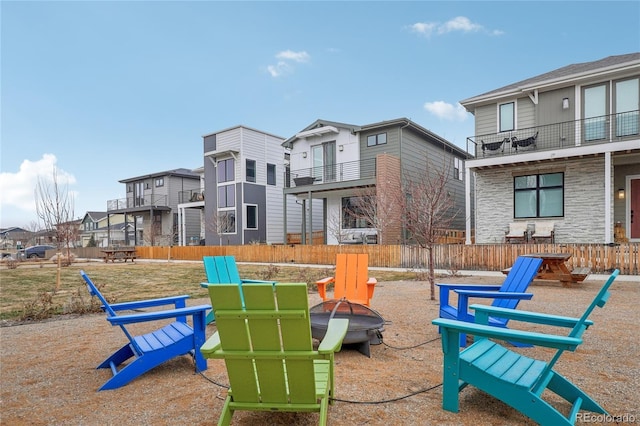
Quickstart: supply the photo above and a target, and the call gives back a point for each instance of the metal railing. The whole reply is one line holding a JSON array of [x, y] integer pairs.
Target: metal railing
[[568, 134], [133, 202], [190, 196], [340, 172]]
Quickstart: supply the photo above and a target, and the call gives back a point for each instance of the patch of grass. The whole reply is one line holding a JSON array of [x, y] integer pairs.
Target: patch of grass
[[129, 282]]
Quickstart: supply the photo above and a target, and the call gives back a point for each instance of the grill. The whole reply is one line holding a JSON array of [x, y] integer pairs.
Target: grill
[[365, 324]]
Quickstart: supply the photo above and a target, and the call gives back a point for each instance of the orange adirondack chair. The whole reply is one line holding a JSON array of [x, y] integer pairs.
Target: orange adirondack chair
[[351, 280]]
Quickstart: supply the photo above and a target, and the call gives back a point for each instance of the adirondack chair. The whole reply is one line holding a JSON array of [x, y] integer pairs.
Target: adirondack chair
[[152, 349], [507, 295], [223, 270], [515, 379], [351, 280], [268, 349]]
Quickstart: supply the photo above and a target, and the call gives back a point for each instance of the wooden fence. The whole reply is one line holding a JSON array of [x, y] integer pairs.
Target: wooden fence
[[453, 257]]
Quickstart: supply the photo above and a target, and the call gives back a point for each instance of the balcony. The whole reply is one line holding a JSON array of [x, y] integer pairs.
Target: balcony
[[138, 203], [335, 173], [190, 196], [570, 134]]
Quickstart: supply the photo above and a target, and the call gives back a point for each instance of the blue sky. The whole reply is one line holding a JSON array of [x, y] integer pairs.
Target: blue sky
[[105, 91]]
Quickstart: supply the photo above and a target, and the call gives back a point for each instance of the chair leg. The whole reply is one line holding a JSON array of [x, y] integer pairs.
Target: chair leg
[[227, 413], [571, 393], [118, 357]]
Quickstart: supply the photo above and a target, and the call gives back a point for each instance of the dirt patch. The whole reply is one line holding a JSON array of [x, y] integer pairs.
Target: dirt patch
[[49, 376]]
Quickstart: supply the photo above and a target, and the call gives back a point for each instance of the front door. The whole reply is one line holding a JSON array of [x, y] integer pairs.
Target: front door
[[634, 208]]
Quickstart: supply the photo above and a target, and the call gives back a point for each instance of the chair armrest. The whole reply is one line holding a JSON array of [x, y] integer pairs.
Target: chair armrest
[[158, 315], [257, 282], [495, 294], [371, 286], [211, 346], [444, 289], [336, 331], [451, 329], [322, 286], [178, 301], [482, 311]]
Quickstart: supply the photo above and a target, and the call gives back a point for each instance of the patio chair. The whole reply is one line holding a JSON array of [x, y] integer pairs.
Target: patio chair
[[223, 270], [507, 295], [493, 146], [152, 349], [517, 232], [543, 231], [515, 379], [351, 280], [530, 141], [268, 349]]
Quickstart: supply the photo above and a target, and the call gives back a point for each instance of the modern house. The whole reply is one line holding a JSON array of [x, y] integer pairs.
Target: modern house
[[152, 200], [336, 166], [244, 172], [193, 200], [105, 230], [561, 147]]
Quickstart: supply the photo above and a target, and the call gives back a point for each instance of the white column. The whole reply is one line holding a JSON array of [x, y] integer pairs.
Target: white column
[[608, 196], [467, 204]]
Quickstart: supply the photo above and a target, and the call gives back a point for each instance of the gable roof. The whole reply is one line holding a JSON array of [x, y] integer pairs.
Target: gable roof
[[317, 125], [181, 172], [94, 216], [242, 126], [562, 75]]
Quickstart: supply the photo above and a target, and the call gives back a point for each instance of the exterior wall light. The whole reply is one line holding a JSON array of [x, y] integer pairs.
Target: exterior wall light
[[621, 193], [565, 103]]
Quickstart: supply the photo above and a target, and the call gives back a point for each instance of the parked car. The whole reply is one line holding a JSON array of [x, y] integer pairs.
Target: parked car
[[34, 252]]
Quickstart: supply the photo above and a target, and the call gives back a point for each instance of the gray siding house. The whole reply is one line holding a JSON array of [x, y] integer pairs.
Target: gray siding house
[[153, 201], [244, 172], [561, 148], [333, 164]]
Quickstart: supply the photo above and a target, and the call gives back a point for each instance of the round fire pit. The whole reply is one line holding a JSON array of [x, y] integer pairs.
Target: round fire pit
[[365, 324]]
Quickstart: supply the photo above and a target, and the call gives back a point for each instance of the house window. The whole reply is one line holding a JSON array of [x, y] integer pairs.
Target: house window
[[227, 222], [627, 103], [252, 217], [226, 170], [159, 182], [251, 170], [458, 165], [595, 110], [379, 139], [271, 174], [538, 195], [324, 162], [129, 188], [226, 196], [507, 117], [353, 213]]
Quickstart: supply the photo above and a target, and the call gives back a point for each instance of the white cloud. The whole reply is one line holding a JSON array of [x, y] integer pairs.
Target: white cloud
[[285, 60], [457, 24], [447, 111], [17, 190]]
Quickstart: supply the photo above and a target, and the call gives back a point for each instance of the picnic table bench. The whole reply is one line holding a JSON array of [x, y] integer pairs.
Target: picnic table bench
[[119, 253], [554, 268]]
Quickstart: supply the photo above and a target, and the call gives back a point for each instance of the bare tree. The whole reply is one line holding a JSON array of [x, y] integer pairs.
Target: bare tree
[[54, 207], [379, 208], [221, 223], [334, 227], [429, 211]]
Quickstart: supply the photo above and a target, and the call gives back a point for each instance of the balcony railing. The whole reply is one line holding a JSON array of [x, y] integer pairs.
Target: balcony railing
[[134, 202], [190, 196], [341, 172], [568, 134]]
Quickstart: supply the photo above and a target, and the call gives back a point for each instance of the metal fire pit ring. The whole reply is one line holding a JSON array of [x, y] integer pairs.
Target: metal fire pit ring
[[365, 324]]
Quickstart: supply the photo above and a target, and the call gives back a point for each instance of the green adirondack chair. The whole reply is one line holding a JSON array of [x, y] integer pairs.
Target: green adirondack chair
[[268, 349], [223, 270], [515, 379]]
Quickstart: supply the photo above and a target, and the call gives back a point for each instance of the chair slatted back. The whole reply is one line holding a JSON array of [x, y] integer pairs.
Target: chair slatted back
[[520, 276], [221, 269], [267, 345], [352, 273], [93, 291]]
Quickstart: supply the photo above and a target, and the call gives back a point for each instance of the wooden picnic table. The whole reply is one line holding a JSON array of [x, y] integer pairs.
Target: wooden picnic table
[[119, 253], [554, 268]]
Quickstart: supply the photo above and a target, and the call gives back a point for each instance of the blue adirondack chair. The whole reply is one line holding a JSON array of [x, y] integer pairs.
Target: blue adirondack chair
[[154, 348], [223, 270], [515, 379], [507, 295]]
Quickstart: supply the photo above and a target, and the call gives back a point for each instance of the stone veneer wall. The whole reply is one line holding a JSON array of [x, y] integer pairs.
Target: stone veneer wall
[[583, 220]]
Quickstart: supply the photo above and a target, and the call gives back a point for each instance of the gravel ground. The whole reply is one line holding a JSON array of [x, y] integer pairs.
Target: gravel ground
[[48, 369]]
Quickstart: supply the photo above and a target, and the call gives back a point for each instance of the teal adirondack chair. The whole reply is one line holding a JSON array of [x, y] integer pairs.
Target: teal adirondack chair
[[152, 349], [223, 270], [268, 349], [515, 379], [507, 295]]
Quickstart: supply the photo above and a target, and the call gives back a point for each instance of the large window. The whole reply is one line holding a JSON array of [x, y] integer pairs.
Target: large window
[[271, 174], [595, 110], [227, 222], [458, 165], [353, 213], [252, 217], [226, 196], [539, 195], [226, 170], [324, 162], [159, 182], [507, 117], [379, 139], [251, 170], [627, 103]]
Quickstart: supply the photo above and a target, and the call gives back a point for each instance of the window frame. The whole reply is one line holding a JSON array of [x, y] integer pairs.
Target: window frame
[[250, 165], [351, 221], [229, 172], [376, 139], [501, 114], [537, 192], [231, 212], [246, 211], [271, 174], [158, 182]]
